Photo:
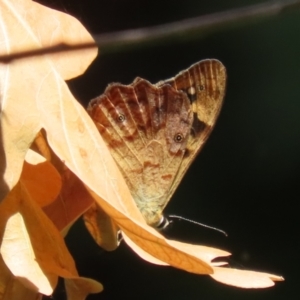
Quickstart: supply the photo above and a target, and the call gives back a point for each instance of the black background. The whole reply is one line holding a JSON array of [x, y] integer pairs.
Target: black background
[[246, 179]]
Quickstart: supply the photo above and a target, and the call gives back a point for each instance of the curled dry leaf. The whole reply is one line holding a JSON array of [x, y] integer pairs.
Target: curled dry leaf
[[239, 278]]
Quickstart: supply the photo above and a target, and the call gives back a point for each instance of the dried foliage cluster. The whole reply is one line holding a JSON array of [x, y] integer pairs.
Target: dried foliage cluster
[[56, 167]]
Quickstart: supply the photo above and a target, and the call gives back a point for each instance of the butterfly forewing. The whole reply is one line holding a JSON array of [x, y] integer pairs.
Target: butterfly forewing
[[155, 131], [204, 83]]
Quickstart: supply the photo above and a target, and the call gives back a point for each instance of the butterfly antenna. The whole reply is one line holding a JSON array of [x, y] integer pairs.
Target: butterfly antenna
[[197, 223]]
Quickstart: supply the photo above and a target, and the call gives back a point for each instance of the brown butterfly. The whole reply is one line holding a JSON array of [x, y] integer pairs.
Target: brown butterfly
[[154, 132]]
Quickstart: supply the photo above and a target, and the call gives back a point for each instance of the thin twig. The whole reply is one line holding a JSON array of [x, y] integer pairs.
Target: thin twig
[[200, 25]]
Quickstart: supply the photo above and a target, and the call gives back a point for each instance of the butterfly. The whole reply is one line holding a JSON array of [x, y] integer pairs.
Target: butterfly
[[155, 131]]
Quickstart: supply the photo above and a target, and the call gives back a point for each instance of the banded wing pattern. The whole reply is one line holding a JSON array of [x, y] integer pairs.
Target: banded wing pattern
[[155, 131]]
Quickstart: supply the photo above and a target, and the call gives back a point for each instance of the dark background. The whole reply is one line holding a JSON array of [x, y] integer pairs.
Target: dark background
[[246, 179]]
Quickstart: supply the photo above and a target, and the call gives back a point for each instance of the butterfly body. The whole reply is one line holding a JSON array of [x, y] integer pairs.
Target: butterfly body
[[155, 131]]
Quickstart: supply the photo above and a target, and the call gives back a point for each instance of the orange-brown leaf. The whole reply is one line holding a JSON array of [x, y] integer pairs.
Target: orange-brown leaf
[[40, 178], [72, 201]]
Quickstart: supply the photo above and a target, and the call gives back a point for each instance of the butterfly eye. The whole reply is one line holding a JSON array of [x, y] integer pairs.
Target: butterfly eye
[[201, 87], [178, 137], [121, 118]]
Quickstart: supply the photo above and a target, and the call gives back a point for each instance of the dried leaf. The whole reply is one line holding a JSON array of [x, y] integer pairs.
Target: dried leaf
[[41, 179], [72, 201], [28, 84], [244, 278]]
